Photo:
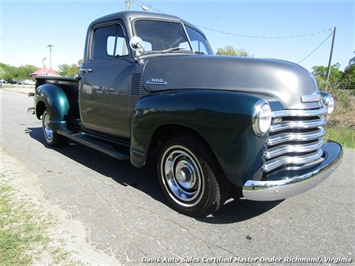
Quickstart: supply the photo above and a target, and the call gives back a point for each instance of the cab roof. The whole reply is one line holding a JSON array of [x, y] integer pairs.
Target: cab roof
[[129, 16]]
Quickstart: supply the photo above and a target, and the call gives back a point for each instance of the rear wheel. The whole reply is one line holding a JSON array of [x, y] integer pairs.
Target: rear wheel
[[187, 174], [51, 136]]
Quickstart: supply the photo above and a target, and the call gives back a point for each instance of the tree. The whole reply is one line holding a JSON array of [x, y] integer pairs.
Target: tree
[[68, 70], [348, 77], [335, 78], [230, 50], [2, 71], [23, 72], [20, 73]]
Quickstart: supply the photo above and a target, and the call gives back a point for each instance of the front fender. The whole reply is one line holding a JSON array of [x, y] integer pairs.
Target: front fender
[[54, 99], [222, 118]]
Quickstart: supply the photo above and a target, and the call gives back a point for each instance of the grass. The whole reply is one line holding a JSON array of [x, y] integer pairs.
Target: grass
[[10, 86], [341, 123], [345, 136], [19, 233], [23, 232]]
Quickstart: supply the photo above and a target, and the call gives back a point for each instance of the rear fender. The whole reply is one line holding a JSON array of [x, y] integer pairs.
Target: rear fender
[[53, 98]]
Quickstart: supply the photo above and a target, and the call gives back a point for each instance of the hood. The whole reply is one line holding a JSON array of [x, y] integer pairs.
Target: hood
[[284, 81]]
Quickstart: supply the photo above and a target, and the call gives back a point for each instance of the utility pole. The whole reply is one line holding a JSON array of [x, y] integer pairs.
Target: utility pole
[[331, 55], [128, 5], [50, 55], [43, 65]]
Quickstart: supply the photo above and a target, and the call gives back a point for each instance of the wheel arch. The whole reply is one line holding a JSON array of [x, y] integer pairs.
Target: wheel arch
[[164, 132]]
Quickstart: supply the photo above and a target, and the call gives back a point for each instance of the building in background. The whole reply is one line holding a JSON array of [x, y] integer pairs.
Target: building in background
[[44, 71]]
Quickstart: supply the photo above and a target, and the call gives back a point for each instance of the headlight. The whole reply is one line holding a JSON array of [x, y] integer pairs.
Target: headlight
[[329, 103], [261, 119]]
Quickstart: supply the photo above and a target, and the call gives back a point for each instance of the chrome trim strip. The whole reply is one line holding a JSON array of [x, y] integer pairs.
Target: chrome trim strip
[[306, 113], [291, 160], [277, 151], [280, 138], [288, 187], [298, 124]]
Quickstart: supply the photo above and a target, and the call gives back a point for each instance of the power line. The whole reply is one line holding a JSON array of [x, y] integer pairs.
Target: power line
[[46, 21], [264, 37], [72, 28], [316, 48], [250, 36], [244, 35]]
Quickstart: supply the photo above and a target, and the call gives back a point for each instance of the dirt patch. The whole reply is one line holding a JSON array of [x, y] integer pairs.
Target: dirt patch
[[67, 236]]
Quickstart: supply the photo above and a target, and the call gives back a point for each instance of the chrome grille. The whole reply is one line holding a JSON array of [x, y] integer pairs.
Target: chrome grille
[[295, 138]]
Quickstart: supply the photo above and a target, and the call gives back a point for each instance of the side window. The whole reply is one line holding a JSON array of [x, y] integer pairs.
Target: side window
[[109, 42], [147, 46]]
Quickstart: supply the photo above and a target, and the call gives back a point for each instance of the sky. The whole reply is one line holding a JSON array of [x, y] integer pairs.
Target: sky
[[297, 31]]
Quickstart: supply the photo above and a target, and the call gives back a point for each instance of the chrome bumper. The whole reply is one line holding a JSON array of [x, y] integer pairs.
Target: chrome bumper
[[288, 187]]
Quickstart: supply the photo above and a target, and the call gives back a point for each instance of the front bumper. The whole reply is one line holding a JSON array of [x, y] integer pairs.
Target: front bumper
[[291, 186]]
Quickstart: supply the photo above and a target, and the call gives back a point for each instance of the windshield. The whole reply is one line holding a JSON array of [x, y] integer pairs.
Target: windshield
[[161, 35]]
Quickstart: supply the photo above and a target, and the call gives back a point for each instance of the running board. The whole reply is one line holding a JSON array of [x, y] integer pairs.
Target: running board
[[94, 143]]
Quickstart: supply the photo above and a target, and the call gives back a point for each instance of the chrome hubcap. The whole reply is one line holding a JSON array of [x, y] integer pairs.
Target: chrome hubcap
[[185, 174], [48, 132], [182, 175]]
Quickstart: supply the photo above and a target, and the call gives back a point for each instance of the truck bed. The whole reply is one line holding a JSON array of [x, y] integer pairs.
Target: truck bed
[[62, 81]]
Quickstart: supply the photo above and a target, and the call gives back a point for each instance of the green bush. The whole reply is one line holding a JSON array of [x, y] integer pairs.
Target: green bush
[[344, 113]]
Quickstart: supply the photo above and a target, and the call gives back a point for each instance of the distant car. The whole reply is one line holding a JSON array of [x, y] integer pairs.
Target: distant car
[[13, 82], [28, 82]]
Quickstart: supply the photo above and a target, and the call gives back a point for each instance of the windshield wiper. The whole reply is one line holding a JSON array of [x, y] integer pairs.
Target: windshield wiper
[[171, 49], [179, 48]]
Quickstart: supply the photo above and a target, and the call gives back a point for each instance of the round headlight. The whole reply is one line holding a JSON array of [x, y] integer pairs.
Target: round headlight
[[329, 103], [262, 117]]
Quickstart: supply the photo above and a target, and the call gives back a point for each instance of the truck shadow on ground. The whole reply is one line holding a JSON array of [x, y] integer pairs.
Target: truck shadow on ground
[[145, 180]]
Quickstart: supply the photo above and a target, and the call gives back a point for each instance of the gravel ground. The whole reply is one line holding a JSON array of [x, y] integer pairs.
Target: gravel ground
[[68, 235]]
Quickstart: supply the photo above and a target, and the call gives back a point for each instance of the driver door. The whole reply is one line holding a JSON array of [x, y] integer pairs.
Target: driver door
[[105, 76]]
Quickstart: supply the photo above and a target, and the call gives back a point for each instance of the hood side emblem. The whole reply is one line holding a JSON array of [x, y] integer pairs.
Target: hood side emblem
[[314, 97], [155, 81]]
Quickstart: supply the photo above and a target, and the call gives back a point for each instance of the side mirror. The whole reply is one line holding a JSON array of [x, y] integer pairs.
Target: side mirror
[[137, 45]]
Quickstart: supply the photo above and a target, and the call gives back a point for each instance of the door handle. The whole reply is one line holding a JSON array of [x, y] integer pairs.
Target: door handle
[[86, 70]]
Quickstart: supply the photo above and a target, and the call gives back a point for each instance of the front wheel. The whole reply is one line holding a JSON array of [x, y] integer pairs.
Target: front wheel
[[51, 136], [187, 174]]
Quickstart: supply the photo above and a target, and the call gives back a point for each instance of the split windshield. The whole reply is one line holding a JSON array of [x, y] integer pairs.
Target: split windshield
[[166, 36]]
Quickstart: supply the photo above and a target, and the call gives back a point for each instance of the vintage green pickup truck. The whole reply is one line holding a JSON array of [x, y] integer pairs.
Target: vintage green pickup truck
[[221, 125]]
